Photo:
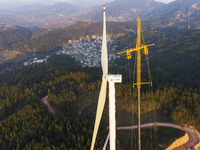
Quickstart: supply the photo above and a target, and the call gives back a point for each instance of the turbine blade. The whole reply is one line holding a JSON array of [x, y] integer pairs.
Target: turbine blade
[[104, 53], [100, 107]]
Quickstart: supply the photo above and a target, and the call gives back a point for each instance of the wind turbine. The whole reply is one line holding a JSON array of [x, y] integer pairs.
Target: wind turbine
[[112, 79]]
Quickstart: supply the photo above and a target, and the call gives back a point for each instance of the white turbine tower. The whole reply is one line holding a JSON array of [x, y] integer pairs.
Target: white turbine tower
[[112, 79]]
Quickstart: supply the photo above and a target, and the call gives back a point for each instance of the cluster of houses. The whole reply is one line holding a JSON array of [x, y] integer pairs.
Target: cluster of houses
[[35, 60], [88, 50]]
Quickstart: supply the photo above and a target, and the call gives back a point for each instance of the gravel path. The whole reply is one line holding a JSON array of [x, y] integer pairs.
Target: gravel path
[[193, 136]]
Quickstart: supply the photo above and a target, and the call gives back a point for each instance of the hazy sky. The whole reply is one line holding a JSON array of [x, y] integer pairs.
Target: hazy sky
[[6, 1], [16, 3]]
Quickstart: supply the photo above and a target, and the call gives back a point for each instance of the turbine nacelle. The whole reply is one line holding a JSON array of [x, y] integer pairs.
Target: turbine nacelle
[[115, 78]]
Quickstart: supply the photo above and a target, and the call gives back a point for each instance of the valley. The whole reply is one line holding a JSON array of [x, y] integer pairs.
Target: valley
[[50, 74]]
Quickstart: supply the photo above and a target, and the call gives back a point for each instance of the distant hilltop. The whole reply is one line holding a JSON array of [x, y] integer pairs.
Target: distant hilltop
[[4, 27], [179, 13]]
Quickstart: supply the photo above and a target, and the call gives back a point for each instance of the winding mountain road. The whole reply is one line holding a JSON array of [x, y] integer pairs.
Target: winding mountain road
[[46, 103], [193, 136]]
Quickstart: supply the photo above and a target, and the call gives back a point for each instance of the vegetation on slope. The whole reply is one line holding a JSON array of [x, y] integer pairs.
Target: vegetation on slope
[[175, 97], [55, 39], [12, 34], [176, 52], [25, 122]]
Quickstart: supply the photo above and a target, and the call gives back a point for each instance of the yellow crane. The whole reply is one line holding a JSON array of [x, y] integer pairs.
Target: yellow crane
[[128, 52]]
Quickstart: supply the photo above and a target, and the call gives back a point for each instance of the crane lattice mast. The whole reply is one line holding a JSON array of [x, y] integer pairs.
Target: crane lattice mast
[[139, 83]]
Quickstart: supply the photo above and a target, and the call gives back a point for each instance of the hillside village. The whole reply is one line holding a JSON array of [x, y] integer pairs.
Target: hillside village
[[85, 50], [88, 50]]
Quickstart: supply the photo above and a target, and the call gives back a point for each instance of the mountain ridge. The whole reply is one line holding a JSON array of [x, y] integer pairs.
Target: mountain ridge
[[67, 14], [181, 14], [24, 9], [52, 14], [10, 34]]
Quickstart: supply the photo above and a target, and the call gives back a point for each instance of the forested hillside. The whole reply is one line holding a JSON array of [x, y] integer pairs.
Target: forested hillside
[[72, 90], [26, 123], [54, 40], [12, 34], [19, 44], [176, 53]]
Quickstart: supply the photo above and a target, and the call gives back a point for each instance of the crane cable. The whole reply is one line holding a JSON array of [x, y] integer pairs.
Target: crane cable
[[150, 98], [147, 60], [130, 98], [133, 132]]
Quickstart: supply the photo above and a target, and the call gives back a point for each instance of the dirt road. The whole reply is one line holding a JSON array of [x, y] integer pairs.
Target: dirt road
[[79, 112], [46, 103], [193, 137]]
